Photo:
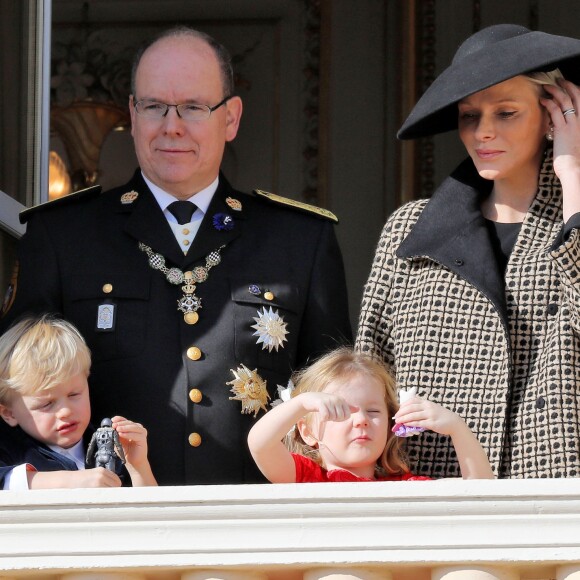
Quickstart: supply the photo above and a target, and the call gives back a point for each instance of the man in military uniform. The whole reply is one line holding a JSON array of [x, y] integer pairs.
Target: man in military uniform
[[193, 317]]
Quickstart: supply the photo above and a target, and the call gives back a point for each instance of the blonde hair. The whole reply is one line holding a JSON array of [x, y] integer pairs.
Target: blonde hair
[[340, 365], [37, 354], [550, 77]]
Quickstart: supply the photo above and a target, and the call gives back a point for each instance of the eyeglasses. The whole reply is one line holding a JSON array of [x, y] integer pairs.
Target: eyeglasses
[[187, 111]]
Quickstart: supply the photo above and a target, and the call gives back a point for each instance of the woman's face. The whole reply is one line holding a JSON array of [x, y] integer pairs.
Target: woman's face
[[503, 128]]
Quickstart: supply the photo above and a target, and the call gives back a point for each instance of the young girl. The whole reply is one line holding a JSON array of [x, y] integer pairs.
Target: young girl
[[341, 415]]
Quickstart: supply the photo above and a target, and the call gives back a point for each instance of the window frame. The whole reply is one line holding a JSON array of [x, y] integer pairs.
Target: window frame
[[39, 27]]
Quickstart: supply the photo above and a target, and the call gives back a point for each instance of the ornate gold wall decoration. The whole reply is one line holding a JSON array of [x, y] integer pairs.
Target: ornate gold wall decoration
[[83, 127]]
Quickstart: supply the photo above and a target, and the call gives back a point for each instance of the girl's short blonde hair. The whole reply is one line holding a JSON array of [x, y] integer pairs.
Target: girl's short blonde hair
[[340, 365], [37, 354]]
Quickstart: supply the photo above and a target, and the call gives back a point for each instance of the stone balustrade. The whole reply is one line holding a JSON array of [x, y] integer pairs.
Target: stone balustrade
[[434, 530]]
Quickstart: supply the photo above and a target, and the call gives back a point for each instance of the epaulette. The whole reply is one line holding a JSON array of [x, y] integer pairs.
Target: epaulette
[[75, 196], [305, 207]]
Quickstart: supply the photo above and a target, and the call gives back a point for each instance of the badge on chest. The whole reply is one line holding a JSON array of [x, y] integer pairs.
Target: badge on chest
[[106, 314]]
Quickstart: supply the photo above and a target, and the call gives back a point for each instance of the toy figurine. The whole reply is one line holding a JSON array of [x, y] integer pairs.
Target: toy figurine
[[105, 449]]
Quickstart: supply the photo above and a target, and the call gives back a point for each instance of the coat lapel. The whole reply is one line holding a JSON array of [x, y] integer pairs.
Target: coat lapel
[[452, 231]]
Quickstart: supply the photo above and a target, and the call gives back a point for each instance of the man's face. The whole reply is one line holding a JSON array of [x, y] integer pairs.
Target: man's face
[[182, 157]]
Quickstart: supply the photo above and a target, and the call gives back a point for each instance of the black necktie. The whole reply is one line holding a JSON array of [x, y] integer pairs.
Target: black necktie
[[182, 210]]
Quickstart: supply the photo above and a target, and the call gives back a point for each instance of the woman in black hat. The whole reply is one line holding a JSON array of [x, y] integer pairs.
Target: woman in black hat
[[474, 295]]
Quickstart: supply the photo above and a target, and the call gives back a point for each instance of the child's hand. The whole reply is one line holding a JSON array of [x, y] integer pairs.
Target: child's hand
[[328, 406], [418, 412], [95, 477], [473, 461], [133, 437]]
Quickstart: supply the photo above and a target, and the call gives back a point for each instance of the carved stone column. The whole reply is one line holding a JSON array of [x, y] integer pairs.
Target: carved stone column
[[473, 573], [571, 572]]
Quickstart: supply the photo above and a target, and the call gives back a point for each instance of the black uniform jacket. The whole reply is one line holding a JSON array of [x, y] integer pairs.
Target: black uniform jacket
[[277, 261]]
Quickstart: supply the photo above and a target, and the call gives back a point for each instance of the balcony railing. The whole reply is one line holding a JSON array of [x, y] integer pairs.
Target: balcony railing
[[449, 529]]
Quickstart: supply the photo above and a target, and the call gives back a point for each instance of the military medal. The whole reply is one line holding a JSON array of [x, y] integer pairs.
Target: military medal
[[189, 303], [270, 329], [129, 197], [234, 204], [249, 388]]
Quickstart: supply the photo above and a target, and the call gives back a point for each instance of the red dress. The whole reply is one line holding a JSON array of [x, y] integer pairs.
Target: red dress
[[307, 471]]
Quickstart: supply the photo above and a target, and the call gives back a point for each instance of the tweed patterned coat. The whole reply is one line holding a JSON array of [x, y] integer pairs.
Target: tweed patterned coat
[[504, 353]]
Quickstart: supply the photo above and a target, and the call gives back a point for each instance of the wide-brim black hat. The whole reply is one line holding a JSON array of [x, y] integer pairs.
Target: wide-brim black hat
[[488, 57]]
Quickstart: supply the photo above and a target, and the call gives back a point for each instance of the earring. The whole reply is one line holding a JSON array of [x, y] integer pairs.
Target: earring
[[550, 134]]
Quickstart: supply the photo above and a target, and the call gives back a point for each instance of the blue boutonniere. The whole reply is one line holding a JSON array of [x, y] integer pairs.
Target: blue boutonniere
[[223, 222]]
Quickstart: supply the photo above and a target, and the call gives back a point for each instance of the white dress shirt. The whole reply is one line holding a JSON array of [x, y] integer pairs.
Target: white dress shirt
[[185, 233]]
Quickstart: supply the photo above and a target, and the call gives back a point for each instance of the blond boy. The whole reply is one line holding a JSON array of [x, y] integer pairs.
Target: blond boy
[[44, 398]]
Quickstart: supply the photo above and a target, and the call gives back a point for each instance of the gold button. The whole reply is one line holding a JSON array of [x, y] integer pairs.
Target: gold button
[[194, 439], [185, 231], [186, 242], [195, 395], [107, 288], [268, 296], [191, 317], [193, 353]]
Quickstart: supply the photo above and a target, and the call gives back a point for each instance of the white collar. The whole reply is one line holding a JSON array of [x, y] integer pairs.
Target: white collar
[[76, 453], [202, 198]]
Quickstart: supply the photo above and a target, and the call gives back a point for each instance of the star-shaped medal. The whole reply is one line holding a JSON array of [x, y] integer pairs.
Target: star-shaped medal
[[270, 329], [249, 388]]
